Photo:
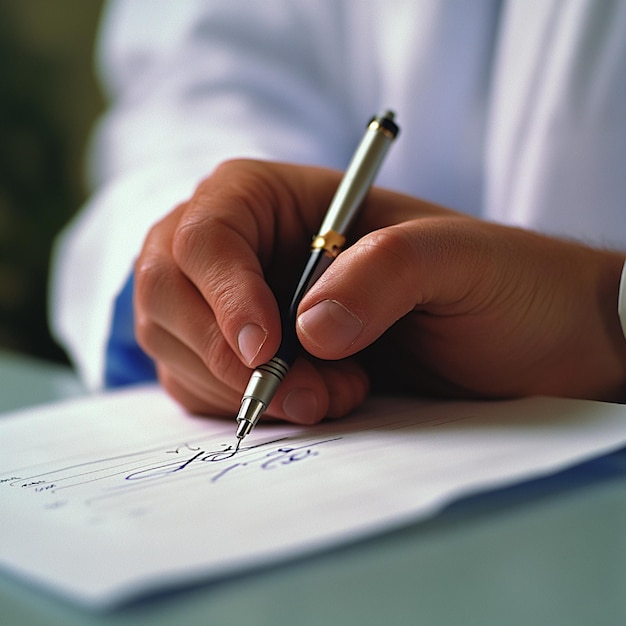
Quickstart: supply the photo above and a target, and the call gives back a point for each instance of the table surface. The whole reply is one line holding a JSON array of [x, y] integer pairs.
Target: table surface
[[546, 552]]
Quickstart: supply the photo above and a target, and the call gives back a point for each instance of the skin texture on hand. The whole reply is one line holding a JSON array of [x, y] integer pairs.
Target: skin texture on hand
[[425, 300]]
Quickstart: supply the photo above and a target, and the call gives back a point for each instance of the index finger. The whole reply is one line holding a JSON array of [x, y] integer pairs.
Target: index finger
[[217, 246], [245, 232]]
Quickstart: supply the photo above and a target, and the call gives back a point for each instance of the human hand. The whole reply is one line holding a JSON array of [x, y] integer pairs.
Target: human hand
[[204, 308], [426, 300], [467, 308]]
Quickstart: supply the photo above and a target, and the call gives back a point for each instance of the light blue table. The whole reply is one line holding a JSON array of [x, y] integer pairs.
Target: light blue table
[[548, 552]]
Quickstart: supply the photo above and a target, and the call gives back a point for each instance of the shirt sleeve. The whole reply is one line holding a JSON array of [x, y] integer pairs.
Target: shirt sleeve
[[190, 84]]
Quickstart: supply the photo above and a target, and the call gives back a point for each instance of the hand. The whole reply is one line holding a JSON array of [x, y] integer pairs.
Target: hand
[[427, 300], [204, 308], [466, 308]]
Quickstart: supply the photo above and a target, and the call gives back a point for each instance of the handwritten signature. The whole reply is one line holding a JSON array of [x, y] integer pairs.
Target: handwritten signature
[[264, 456], [253, 455]]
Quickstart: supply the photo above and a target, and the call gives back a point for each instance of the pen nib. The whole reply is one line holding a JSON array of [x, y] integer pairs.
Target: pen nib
[[237, 446]]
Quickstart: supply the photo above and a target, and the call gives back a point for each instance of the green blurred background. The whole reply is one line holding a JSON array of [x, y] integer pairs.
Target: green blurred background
[[48, 102]]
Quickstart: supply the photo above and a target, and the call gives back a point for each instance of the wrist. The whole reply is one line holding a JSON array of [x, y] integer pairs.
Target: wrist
[[621, 301], [617, 325], [600, 345]]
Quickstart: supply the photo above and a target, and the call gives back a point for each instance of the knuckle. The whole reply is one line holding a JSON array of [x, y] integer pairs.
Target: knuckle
[[189, 241], [388, 239], [227, 306], [219, 358], [154, 275], [201, 243], [147, 333], [390, 248]]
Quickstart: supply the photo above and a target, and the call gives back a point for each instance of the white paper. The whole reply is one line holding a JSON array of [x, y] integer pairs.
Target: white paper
[[112, 496]]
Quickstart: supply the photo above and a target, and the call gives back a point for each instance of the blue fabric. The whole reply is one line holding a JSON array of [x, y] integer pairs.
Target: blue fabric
[[126, 362]]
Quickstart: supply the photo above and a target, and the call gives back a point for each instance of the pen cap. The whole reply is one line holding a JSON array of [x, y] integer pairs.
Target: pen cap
[[360, 174]]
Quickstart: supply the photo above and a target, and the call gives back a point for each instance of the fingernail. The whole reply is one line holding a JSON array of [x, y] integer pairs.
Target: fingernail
[[250, 341], [329, 323], [300, 406]]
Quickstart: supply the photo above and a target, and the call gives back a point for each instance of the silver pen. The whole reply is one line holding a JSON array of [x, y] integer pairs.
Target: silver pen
[[348, 198]]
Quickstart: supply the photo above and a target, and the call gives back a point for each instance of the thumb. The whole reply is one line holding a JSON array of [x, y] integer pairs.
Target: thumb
[[385, 275]]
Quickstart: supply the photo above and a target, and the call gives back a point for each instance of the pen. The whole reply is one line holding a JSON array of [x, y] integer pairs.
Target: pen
[[344, 206]]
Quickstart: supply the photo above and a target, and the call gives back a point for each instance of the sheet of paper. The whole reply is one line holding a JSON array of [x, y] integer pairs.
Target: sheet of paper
[[108, 497]]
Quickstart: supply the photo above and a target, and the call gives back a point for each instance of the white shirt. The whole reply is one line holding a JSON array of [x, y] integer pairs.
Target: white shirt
[[512, 110]]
